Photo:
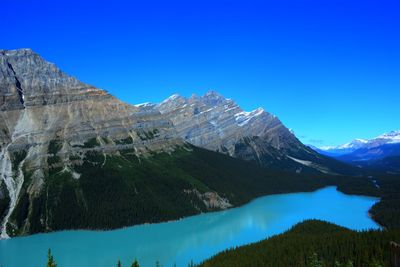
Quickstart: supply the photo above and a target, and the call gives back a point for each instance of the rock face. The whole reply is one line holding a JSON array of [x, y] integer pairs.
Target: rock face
[[41, 103], [219, 124], [41, 107], [216, 123]]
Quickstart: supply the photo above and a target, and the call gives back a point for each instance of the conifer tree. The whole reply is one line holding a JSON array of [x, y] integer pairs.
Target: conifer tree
[[50, 260], [135, 263], [314, 261]]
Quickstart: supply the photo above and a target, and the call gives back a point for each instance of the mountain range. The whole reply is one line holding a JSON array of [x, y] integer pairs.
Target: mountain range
[[389, 138], [381, 153], [73, 156]]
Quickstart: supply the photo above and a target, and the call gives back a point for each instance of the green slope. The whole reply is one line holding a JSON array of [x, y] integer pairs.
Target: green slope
[[121, 189], [313, 242]]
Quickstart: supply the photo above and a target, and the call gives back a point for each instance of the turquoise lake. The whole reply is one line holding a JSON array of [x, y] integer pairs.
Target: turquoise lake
[[194, 238]]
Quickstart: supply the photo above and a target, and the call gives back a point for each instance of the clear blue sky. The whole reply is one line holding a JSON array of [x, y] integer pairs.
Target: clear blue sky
[[329, 69]]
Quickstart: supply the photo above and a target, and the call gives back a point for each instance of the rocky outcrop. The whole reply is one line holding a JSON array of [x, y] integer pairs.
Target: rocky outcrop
[[212, 200]]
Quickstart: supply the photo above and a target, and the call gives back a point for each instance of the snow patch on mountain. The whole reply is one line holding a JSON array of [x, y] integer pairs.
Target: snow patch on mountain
[[171, 98], [142, 105], [242, 118], [311, 165], [304, 162]]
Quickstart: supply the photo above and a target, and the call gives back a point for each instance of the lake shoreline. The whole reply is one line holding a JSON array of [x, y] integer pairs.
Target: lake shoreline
[[194, 238], [194, 215], [208, 212]]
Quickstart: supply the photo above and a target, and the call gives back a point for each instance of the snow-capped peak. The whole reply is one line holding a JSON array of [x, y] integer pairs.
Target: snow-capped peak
[[353, 144], [212, 93], [173, 97], [392, 137], [142, 105]]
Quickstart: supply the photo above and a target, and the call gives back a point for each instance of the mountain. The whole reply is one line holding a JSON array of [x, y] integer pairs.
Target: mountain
[[380, 153], [50, 120], [371, 153], [217, 123], [334, 151], [392, 137], [73, 156]]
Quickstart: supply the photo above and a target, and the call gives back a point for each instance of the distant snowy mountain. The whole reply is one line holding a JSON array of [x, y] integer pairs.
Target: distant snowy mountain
[[392, 137], [372, 153], [378, 152]]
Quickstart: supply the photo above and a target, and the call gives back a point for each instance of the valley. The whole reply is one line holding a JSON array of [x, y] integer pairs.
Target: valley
[[74, 157]]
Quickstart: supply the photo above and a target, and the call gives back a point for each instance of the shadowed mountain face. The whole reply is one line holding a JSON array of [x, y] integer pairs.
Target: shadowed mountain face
[[73, 156], [372, 153], [390, 165]]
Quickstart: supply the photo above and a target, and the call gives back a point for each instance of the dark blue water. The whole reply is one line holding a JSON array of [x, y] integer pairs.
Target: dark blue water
[[195, 238]]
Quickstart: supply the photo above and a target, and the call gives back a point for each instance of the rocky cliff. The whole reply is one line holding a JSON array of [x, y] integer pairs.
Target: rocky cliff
[[219, 124]]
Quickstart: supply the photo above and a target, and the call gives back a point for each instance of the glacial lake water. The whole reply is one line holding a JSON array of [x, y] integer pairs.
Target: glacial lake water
[[194, 238]]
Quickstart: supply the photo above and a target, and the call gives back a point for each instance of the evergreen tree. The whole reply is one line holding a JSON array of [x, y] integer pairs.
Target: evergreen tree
[[375, 263], [50, 260], [135, 263], [313, 261]]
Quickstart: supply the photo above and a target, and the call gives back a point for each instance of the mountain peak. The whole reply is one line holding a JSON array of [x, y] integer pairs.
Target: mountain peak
[[213, 98], [212, 93], [17, 52], [27, 79], [173, 100]]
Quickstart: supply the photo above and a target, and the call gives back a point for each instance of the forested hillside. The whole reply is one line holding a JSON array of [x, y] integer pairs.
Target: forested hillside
[[123, 189], [313, 243]]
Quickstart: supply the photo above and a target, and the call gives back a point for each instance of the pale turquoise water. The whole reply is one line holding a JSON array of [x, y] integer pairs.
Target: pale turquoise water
[[195, 238]]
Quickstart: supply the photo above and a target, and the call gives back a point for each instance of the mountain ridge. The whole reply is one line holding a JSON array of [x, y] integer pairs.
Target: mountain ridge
[[219, 124]]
